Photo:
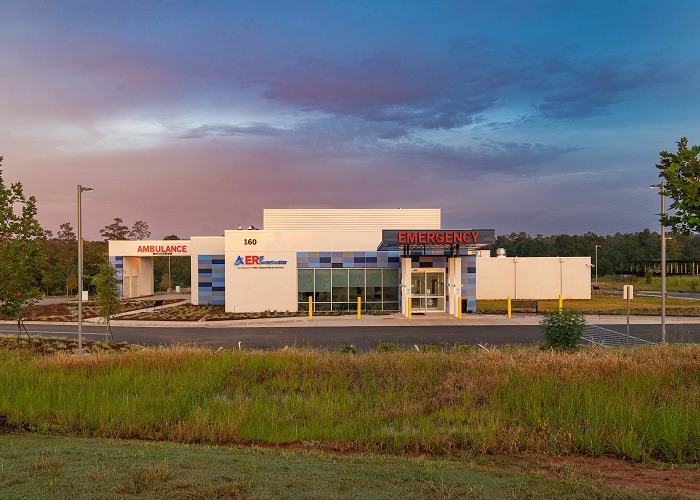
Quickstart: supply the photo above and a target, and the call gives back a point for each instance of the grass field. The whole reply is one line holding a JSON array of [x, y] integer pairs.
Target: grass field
[[41, 466], [605, 303], [639, 404], [674, 283]]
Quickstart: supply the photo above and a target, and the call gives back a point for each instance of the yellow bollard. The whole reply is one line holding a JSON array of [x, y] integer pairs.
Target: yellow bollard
[[359, 307], [459, 304], [410, 306], [311, 308], [561, 303], [510, 315]]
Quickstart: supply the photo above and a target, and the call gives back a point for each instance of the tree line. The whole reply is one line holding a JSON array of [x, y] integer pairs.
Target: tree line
[[615, 253]]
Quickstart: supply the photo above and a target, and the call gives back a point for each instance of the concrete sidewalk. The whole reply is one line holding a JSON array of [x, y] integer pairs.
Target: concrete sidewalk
[[392, 320]]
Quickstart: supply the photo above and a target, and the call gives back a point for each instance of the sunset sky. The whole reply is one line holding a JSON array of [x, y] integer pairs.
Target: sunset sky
[[528, 115]]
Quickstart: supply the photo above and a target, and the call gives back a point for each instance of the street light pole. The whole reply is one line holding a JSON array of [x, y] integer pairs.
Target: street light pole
[[663, 260], [81, 189], [663, 266], [596, 264]]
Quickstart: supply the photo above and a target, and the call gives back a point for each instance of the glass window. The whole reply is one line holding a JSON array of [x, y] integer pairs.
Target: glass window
[[374, 285], [357, 284], [306, 284], [340, 285], [323, 285], [390, 285]]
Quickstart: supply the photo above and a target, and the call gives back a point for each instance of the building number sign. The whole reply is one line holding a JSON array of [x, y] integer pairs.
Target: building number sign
[[250, 241]]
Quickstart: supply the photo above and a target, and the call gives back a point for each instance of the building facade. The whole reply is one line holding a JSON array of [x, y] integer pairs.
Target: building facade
[[381, 256]]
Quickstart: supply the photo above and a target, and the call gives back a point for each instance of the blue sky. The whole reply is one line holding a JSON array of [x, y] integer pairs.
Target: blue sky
[[539, 116]]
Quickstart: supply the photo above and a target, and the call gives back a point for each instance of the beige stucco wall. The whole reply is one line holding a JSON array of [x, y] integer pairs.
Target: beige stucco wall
[[533, 277]]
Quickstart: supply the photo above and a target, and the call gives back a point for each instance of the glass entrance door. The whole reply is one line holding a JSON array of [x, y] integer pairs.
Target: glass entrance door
[[428, 291]]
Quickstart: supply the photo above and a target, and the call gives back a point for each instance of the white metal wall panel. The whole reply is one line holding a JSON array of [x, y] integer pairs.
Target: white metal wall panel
[[353, 219]]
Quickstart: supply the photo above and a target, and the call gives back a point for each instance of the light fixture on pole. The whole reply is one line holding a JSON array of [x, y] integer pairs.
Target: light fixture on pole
[[81, 190], [663, 260], [596, 264]]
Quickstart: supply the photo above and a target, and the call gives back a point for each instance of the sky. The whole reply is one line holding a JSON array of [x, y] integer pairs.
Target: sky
[[540, 116]]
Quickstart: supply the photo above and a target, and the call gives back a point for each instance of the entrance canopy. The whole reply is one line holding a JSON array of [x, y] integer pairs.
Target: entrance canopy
[[425, 241]]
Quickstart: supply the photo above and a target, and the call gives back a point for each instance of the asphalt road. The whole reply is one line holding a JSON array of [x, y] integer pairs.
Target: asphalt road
[[364, 338]]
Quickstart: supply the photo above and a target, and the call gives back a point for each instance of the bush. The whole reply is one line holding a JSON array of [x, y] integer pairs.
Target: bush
[[463, 348], [562, 329], [347, 349], [648, 277], [428, 348], [387, 347]]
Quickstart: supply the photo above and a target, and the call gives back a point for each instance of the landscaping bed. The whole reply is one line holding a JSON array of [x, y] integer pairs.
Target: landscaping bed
[[68, 311], [189, 312]]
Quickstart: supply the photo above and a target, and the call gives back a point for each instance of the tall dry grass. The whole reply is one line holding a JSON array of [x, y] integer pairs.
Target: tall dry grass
[[638, 403]]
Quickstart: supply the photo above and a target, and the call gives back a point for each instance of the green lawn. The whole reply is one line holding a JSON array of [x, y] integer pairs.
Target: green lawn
[[604, 303], [41, 466]]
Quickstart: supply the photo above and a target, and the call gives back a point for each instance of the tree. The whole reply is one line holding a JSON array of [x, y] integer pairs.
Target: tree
[[681, 172], [107, 287], [66, 234], [115, 231], [139, 231], [20, 251]]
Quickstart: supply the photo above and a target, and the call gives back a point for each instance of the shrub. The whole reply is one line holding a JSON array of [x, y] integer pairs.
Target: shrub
[[647, 277], [463, 348], [693, 285], [562, 329], [428, 348], [387, 347], [347, 349]]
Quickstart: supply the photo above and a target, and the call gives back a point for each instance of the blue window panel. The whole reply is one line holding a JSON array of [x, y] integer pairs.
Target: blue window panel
[[359, 260], [337, 254], [335, 265], [314, 265], [218, 289], [204, 259], [218, 260], [302, 255], [324, 254]]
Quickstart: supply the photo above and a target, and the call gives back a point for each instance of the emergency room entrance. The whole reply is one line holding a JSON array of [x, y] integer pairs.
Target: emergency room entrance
[[427, 291]]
